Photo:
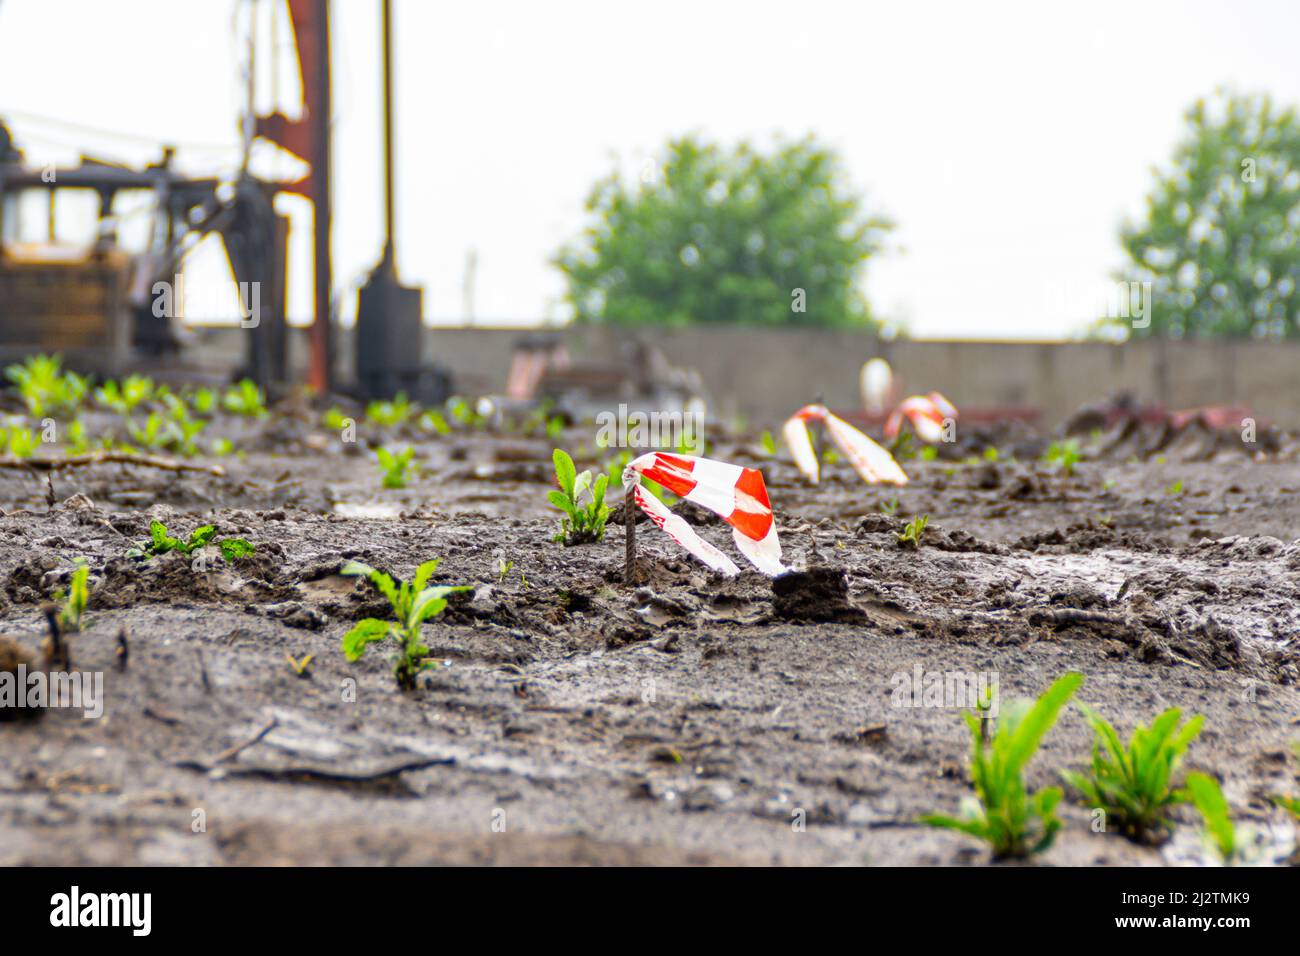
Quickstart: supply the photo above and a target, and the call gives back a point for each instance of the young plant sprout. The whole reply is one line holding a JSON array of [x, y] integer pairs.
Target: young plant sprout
[[18, 442], [910, 536], [1012, 821], [397, 469], [123, 397], [44, 386], [390, 414], [413, 602], [160, 542], [1063, 455], [245, 398], [1134, 785], [874, 464], [1206, 794], [927, 414], [73, 603], [737, 495], [583, 522]]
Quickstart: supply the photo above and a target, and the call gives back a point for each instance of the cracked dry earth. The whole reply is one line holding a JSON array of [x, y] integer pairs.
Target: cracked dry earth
[[687, 719]]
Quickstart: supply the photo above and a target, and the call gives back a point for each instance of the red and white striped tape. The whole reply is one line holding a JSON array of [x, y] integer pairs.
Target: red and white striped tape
[[925, 413], [737, 495], [873, 463]]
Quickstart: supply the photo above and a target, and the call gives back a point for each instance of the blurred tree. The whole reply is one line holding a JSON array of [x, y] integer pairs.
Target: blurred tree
[[1221, 241], [725, 236]]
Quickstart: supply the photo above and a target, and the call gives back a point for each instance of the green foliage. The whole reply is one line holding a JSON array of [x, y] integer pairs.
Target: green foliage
[[434, 421], [390, 414], [890, 505], [161, 542], [768, 443], [1220, 240], [465, 413], [123, 397], [726, 236], [245, 398], [1208, 797], [203, 401], [75, 600], [910, 536], [413, 602], [1176, 489], [1063, 455], [582, 522], [1134, 785], [1013, 822], [46, 388], [398, 468], [18, 441]]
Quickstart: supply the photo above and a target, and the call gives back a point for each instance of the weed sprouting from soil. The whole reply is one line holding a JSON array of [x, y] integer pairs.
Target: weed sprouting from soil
[[413, 602], [910, 536], [397, 468], [73, 604], [1208, 797], [161, 542], [1134, 784], [245, 398], [1063, 455], [582, 522], [1013, 822]]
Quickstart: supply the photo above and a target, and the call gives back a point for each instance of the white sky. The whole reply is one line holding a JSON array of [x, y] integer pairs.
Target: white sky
[[1007, 140]]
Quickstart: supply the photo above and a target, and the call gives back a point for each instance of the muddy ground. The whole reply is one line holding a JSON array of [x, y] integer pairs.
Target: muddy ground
[[687, 719]]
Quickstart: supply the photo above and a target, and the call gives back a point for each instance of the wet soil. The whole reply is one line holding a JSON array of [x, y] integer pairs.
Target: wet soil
[[684, 719]]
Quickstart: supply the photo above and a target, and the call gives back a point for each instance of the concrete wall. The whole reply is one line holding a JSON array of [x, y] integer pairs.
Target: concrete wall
[[766, 373]]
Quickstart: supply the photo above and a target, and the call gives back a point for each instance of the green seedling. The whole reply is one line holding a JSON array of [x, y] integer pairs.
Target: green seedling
[[152, 435], [299, 667], [78, 438], [203, 400], [123, 397], [929, 453], [47, 389], [1013, 822], [768, 443], [1063, 455], [335, 420], [1206, 794], [160, 542], [1134, 785], [72, 604], [245, 398], [221, 447], [582, 522], [903, 448], [889, 506], [397, 469], [503, 568], [390, 414], [18, 442], [434, 421], [1176, 489], [465, 413], [184, 430], [910, 536], [413, 602], [991, 453]]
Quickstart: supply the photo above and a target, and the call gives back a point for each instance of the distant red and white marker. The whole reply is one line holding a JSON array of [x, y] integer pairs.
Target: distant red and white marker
[[737, 495], [925, 413], [875, 464]]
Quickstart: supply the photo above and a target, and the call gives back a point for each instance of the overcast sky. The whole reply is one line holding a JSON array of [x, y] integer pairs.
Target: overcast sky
[[1008, 140]]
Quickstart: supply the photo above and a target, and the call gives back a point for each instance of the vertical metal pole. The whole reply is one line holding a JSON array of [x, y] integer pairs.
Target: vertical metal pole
[[322, 360], [390, 226], [629, 523]]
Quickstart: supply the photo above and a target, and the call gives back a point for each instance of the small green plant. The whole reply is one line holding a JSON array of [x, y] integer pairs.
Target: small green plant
[[1063, 455], [413, 602], [1206, 794], [435, 421], [44, 386], [203, 400], [18, 442], [465, 413], [889, 506], [1176, 489], [903, 448], [73, 602], [929, 453], [299, 666], [389, 414], [910, 536], [503, 568], [768, 443], [397, 469], [161, 542], [335, 420], [582, 523], [1134, 785], [991, 453], [1013, 822], [245, 398], [123, 397]]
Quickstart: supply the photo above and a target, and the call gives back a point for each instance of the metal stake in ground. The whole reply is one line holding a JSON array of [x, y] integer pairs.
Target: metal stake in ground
[[629, 523]]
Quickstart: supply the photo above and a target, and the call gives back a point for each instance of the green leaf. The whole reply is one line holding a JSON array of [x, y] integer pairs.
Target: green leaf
[[365, 632], [1039, 720], [1209, 800], [234, 549], [565, 473]]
